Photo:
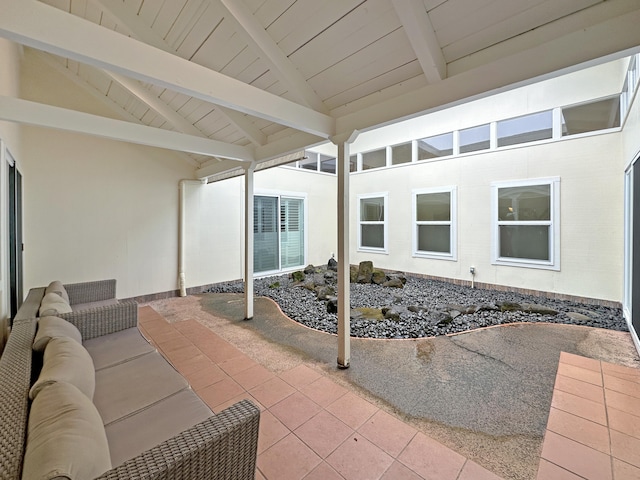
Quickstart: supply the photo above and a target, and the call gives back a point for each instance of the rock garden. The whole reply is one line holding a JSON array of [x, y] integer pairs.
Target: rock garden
[[394, 305]]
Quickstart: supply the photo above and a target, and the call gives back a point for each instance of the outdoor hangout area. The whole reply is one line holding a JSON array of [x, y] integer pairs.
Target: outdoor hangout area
[[290, 239]]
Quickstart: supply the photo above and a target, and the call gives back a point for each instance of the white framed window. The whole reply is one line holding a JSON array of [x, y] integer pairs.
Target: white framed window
[[279, 228], [526, 223], [372, 222], [434, 223]]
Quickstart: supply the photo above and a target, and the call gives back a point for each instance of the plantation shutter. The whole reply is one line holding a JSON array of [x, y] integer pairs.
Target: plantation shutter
[[265, 230], [291, 232]]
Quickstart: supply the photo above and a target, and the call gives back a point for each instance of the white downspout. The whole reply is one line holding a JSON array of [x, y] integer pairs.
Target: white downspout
[[181, 233]]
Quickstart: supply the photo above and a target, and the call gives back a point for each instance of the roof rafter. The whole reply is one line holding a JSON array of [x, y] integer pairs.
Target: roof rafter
[[264, 46], [138, 29], [417, 25], [47, 28], [41, 115]]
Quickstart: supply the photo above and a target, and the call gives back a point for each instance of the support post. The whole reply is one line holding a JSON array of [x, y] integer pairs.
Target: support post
[[248, 241], [344, 302]]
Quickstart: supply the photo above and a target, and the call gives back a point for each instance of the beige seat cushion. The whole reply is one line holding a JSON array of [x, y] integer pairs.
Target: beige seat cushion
[[52, 327], [132, 435], [118, 347], [53, 304], [128, 387], [57, 287], [65, 360], [65, 436]]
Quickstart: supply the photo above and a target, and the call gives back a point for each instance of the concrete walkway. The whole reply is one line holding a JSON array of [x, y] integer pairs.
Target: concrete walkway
[[486, 394]]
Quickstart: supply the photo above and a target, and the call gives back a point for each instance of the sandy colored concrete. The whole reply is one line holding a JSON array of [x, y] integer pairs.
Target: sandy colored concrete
[[484, 393]]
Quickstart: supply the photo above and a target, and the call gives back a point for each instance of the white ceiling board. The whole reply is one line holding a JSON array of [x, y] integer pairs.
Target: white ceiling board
[[271, 10], [167, 16], [78, 7], [149, 10], [221, 46], [185, 21], [200, 32], [382, 56], [355, 32]]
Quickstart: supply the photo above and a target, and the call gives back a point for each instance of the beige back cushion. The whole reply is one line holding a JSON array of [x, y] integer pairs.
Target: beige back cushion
[[66, 437], [65, 360], [57, 287], [52, 327], [53, 304]]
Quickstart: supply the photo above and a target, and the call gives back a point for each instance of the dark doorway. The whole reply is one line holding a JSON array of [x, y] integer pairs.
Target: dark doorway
[[15, 236]]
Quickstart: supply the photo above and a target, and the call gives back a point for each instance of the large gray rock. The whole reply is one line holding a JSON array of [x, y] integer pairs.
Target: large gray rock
[[332, 305], [378, 277], [332, 264], [541, 309], [365, 271], [325, 292], [393, 283], [353, 274], [309, 269]]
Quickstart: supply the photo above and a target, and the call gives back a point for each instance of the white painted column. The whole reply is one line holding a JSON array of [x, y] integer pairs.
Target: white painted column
[[344, 302], [248, 241]]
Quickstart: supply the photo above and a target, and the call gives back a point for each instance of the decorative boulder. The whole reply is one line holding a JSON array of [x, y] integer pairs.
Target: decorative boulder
[[309, 269], [353, 274], [365, 271], [297, 276], [332, 305], [378, 277], [332, 264], [393, 283], [325, 292]]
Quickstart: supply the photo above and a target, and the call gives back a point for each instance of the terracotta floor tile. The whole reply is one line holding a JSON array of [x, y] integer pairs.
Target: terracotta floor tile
[[220, 353], [623, 402], [182, 354], [190, 327], [324, 471], [352, 410], [579, 361], [620, 371], [324, 391], [323, 433], [579, 406], [624, 471], [236, 399], [272, 391], [624, 422], [205, 377], [219, 392], [295, 410], [359, 459], [473, 471], [193, 364], [271, 431], [550, 471], [253, 376], [387, 432], [300, 376], [582, 389], [576, 457], [579, 373], [625, 448], [622, 386], [288, 459], [431, 459], [165, 335], [259, 476], [579, 429], [237, 364], [398, 471], [147, 313]]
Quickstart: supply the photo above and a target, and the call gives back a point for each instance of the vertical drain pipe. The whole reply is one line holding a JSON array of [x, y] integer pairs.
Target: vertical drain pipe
[[182, 232]]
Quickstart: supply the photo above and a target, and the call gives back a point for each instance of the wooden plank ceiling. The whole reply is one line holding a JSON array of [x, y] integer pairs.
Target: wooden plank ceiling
[[358, 61]]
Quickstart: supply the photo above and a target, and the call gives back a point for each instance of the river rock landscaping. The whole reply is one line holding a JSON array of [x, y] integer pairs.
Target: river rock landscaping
[[394, 305]]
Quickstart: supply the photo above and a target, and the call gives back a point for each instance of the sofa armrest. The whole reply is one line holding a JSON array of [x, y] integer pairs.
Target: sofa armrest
[[104, 320], [223, 446], [88, 292], [31, 304]]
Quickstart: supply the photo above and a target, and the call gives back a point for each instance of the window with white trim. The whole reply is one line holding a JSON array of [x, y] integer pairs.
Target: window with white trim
[[434, 215], [526, 223], [279, 233], [372, 222]]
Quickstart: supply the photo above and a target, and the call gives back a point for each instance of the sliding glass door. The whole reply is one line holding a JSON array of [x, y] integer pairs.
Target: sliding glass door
[[278, 227]]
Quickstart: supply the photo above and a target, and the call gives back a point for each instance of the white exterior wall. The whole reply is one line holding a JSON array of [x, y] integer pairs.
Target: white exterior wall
[[591, 207], [10, 140], [215, 230], [95, 208]]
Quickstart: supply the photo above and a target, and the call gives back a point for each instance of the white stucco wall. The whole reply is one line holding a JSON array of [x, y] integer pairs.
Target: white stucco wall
[[10, 55], [215, 229], [95, 208]]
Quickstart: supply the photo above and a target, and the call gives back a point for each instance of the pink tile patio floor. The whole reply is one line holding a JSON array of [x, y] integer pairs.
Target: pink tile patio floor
[[314, 428]]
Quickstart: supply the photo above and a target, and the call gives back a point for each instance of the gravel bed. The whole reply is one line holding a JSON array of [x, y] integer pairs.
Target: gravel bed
[[301, 305]]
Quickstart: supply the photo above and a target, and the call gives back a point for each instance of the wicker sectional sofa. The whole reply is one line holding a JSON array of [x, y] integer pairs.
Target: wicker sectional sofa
[[138, 416]]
